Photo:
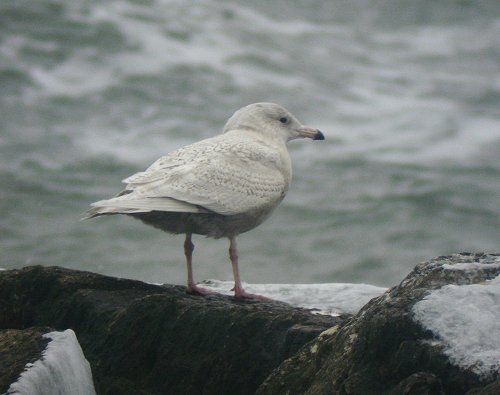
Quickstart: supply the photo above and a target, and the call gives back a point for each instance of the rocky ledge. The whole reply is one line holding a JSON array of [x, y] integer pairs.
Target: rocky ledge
[[424, 336], [437, 332], [148, 339]]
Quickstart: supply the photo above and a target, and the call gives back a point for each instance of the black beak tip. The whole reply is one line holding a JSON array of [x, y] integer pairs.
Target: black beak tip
[[319, 135]]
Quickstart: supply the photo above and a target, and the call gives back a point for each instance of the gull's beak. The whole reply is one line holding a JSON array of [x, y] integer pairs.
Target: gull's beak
[[314, 134]]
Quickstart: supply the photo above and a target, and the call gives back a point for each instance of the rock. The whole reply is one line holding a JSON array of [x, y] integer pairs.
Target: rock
[[60, 368], [17, 348], [435, 333], [491, 389], [147, 339], [388, 348]]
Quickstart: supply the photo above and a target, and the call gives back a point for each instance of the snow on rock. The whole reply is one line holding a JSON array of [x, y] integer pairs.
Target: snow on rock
[[62, 369], [466, 321], [437, 332], [331, 299], [471, 266]]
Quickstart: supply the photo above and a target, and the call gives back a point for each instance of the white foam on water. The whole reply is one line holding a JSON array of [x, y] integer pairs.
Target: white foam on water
[[165, 35], [408, 104], [401, 123]]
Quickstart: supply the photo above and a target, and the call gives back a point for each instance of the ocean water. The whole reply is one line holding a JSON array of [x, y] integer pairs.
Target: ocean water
[[407, 94]]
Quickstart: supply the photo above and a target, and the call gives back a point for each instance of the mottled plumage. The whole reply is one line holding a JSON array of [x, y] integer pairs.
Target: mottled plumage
[[219, 187]]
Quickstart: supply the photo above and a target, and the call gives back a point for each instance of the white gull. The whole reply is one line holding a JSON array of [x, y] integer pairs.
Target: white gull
[[219, 187]]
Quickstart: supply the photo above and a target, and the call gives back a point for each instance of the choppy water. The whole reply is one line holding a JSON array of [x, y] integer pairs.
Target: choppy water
[[407, 93]]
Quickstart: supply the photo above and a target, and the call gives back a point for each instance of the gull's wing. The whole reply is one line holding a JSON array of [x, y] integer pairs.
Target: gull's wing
[[222, 174]]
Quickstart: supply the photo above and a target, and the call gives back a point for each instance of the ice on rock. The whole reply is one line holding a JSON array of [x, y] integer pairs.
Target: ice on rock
[[332, 299], [62, 369], [466, 321]]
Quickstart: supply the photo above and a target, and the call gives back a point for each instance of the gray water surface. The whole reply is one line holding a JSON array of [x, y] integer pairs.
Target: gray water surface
[[407, 94]]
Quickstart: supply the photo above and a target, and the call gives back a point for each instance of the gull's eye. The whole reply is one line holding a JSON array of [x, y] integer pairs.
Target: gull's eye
[[284, 120]]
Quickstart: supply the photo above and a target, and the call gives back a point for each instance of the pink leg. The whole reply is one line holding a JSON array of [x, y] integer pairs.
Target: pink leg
[[239, 292], [191, 285]]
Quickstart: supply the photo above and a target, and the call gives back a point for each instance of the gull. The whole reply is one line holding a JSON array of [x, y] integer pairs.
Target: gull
[[218, 187]]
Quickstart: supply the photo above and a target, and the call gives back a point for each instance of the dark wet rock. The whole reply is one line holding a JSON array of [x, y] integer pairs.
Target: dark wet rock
[[19, 347], [382, 350], [491, 389], [147, 339]]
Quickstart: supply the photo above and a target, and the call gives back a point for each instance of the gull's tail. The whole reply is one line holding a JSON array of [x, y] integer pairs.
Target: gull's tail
[[131, 204]]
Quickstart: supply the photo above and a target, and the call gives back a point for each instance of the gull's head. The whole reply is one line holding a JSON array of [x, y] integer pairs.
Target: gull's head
[[273, 120]]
